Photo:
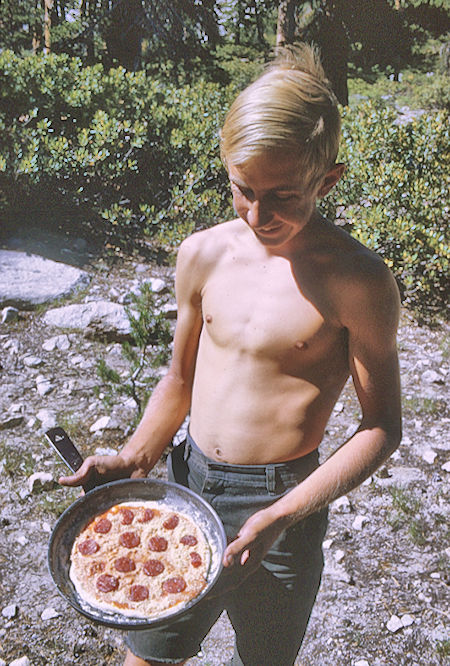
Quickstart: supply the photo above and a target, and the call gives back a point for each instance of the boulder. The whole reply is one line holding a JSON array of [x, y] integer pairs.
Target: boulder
[[28, 280], [97, 319]]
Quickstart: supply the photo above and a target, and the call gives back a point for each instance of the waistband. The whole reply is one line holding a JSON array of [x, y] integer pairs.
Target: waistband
[[299, 466]]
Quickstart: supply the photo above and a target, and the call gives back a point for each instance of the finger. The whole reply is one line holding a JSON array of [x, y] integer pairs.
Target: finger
[[244, 557]]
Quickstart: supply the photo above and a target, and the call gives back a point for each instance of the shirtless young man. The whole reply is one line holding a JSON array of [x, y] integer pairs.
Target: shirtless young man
[[275, 310]]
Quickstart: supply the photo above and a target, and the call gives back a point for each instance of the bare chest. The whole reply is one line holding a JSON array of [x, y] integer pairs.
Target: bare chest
[[262, 310]]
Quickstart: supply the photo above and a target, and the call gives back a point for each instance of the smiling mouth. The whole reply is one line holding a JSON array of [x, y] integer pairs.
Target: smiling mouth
[[268, 230]]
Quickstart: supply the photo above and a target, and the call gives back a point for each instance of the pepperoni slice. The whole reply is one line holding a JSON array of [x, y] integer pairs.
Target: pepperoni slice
[[96, 567], [88, 547], [147, 516], [174, 585], [188, 540], [107, 583], [124, 565], [153, 567], [138, 593], [171, 522], [196, 560], [129, 539], [157, 544], [102, 526], [127, 516]]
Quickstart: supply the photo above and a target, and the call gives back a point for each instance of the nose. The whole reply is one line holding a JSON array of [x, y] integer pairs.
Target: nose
[[259, 214]]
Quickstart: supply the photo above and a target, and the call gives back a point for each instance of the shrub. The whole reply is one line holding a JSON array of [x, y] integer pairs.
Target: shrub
[[393, 197]]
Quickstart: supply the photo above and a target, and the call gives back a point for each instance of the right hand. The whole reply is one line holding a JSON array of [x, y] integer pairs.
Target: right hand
[[101, 469]]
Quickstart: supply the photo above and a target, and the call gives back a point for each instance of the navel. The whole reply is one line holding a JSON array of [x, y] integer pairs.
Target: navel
[[300, 344]]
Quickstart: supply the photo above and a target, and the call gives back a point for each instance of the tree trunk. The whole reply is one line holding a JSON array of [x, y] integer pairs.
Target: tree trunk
[[48, 5], [286, 25]]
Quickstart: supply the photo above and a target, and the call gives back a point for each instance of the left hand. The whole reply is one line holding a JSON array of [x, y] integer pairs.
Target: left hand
[[254, 539]]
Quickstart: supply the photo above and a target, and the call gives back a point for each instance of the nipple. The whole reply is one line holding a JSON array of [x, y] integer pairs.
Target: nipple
[[208, 319], [301, 345]]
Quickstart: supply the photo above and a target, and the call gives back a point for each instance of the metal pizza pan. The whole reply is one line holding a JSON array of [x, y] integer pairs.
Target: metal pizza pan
[[98, 500]]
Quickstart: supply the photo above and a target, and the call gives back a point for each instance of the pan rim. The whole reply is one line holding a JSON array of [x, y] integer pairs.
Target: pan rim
[[116, 620]]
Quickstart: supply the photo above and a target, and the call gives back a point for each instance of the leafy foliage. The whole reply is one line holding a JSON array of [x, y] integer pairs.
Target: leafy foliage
[[150, 350]]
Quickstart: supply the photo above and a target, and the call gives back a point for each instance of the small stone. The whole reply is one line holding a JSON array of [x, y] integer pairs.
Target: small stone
[[169, 310], [10, 611], [3, 662], [446, 466], [22, 540], [22, 661], [100, 424], [9, 314], [407, 620], [327, 544], [43, 385], [359, 522], [361, 662], [157, 285], [47, 419], [339, 407], [49, 614], [429, 456], [342, 504], [10, 422], [394, 624], [40, 481], [432, 377], [339, 555], [32, 361], [60, 342]]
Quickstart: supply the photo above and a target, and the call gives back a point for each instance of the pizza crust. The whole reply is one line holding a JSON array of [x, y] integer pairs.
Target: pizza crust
[[136, 549]]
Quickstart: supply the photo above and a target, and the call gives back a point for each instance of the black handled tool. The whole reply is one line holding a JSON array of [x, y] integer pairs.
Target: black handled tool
[[67, 450]]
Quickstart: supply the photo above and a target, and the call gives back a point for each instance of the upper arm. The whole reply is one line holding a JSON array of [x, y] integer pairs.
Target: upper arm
[[188, 284], [371, 314]]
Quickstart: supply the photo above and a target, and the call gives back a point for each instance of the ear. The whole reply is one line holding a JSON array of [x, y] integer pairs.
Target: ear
[[330, 179]]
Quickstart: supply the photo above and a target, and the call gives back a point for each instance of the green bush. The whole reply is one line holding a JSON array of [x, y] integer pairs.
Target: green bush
[[125, 148], [394, 197]]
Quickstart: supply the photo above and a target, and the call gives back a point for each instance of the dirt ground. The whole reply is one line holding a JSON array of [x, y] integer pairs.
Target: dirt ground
[[384, 595]]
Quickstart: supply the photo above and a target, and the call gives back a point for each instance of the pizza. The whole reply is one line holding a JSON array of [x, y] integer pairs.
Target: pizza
[[140, 559]]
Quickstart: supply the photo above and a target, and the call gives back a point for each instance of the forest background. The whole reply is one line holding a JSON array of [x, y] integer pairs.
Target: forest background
[[110, 112]]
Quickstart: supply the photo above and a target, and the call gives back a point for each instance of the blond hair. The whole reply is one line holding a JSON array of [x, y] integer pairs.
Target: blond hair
[[289, 108]]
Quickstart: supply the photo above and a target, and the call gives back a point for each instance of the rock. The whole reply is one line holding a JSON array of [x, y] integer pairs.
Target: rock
[[100, 424], [170, 310], [361, 662], [49, 614], [401, 476], [10, 422], [446, 466], [47, 419], [157, 285], [342, 505], [394, 624], [339, 555], [29, 280], [9, 315], [407, 620], [32, 361], [3, 662], [429, 456], [10, 611], [44, 386], [22, 661], [40, 481], [98, 319], [339, 407], [60, 342], [432, 377], [359, 522]]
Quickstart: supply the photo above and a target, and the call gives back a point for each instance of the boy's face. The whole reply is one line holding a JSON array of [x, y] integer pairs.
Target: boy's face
[[270, 195]]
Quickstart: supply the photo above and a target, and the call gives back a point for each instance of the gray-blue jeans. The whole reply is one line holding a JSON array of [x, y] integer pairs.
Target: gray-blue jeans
[[270, 609]]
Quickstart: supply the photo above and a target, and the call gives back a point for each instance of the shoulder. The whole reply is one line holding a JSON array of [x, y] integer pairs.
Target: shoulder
[[364, 291], [199, 253]]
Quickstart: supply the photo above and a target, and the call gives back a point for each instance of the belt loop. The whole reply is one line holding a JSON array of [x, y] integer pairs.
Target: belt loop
[[270, 479]]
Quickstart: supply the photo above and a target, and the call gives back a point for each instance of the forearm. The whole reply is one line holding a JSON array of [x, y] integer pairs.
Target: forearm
[[164, 414], [343, 471]]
